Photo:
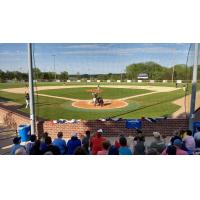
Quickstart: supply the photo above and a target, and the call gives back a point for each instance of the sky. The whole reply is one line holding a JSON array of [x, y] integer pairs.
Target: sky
[[91, 58]]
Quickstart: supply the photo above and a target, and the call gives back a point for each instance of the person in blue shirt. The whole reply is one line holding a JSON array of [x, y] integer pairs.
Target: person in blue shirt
[[30, 144], [16, 145], [60, 143], [72, 144], [124, 149], [43, 145]]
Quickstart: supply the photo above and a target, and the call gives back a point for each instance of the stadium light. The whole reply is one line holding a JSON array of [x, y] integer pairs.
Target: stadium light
[[54, 65]]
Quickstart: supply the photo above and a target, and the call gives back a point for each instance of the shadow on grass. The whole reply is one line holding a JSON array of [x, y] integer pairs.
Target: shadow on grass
[[3, 99]]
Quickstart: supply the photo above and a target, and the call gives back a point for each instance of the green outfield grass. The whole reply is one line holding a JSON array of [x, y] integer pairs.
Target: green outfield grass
[[21, 84], [150, 106], [82, 93], [153, 105]]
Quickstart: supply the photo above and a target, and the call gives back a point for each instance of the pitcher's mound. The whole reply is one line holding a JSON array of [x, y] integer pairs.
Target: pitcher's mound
[[108, 104]]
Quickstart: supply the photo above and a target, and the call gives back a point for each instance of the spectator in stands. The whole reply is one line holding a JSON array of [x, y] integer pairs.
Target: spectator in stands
[[60, 143], [106, 145], [139, 135], [189, 142], [20, 151], [170, 150], [35, 150], [80, 151], [72, 144], [197, 136], [152, 152], [124, 149], [182, 133], [158, 144], [139, 147], [197, 142], [96, 142], [196, 151], [113, 150], [178, 144], [176, 135], [43, 145], [50, 147], [86, 141], [30, 144], [116, 143], [16, 145]]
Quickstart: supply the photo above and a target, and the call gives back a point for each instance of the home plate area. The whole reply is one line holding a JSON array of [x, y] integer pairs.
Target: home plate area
[[108, 104]]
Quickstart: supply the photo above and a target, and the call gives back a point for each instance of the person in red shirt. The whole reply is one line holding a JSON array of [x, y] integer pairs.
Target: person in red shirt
[[96, 142]]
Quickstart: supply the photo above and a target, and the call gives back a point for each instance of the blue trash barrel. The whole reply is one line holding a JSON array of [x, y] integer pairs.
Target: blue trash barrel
[[24, 132]]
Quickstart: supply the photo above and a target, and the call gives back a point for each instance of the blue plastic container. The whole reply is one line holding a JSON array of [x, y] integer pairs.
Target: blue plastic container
[[24, 132]]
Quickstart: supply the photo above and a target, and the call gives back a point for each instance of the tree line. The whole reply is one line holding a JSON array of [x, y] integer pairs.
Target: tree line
[[37, 75], [154, 70], [158, 72]]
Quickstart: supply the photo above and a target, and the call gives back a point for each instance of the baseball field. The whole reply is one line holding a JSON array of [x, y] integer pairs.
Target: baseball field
[[122, 100]]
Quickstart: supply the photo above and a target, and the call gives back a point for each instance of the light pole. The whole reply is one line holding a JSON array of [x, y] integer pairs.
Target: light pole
[[31, 89], [89, 73], [54, 65], [173, 74], [174, 51], [194, 82]]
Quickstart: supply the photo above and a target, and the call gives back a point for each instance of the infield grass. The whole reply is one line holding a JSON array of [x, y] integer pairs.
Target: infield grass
[[83, 93], [153, 105]]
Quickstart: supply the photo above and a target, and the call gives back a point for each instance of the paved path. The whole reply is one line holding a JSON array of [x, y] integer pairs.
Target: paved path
[[181, 102], [6, 137]]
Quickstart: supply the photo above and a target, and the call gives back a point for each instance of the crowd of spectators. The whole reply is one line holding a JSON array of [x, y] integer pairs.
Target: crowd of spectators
[[183, 142]]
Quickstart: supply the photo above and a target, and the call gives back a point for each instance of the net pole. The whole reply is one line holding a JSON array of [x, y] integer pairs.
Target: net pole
[[31, 89], [194, 83]]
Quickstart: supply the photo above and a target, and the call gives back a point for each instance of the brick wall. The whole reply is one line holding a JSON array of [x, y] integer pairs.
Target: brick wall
[[164, 126], [12, 119]]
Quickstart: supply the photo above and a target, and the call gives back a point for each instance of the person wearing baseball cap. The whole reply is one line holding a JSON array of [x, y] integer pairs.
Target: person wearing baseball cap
[[158, 144], [178, 144], [96, 142]]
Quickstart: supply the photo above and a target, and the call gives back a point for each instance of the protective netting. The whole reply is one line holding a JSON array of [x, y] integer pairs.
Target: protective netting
[[162, 64], [189, 76]]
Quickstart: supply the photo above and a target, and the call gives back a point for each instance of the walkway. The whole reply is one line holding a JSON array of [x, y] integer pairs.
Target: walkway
[[181, 102], [6, 137]]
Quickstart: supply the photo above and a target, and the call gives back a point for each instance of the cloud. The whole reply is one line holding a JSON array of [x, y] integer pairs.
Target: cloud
[[123, 51], [12, 53]]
